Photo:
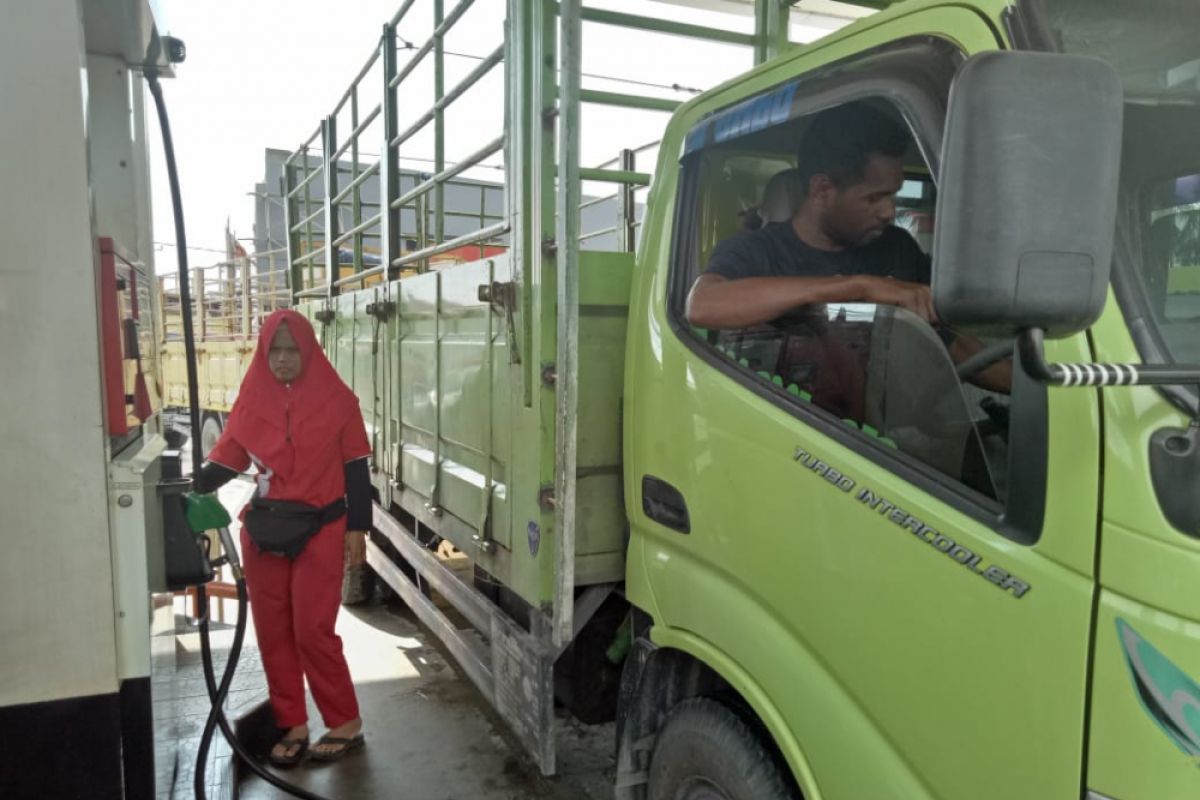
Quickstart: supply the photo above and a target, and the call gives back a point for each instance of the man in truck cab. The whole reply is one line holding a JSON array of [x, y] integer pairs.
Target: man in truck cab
[[838, 246]]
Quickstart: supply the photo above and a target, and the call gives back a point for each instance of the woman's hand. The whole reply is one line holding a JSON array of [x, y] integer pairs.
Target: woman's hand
[[356, 547]]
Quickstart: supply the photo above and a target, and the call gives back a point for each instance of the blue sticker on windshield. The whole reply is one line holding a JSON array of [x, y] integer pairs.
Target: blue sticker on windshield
[[756, 114]]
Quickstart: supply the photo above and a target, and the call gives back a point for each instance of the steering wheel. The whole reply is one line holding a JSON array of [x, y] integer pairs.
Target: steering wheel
[[989, 355]]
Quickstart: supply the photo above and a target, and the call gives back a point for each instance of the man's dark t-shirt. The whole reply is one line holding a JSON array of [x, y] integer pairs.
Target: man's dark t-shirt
[[823, 360], [777, 252]]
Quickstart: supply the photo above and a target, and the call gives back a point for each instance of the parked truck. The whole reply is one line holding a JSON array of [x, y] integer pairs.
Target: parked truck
[[233, 296], [924, 590], [230, 300]]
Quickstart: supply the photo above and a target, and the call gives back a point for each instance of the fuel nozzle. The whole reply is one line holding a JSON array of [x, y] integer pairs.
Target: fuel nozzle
[[231, 554], [205, 513]]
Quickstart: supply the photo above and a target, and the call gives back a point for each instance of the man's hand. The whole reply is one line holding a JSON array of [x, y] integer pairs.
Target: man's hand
[[356, 547], [720, 303], [915, 297], [723, 304]]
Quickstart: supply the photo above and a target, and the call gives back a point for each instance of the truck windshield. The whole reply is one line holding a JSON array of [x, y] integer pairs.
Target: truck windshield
[[1154, 45]]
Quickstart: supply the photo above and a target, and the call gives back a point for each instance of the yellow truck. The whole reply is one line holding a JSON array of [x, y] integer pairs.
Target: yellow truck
[[230, 300]]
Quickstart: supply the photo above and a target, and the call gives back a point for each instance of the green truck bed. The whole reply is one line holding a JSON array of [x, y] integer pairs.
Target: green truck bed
[[442, 377]]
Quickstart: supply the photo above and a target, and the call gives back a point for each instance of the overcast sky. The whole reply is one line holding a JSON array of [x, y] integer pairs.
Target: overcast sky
[[262, 73]]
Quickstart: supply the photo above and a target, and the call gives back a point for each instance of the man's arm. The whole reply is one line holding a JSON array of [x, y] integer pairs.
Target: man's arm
[[719, 303]]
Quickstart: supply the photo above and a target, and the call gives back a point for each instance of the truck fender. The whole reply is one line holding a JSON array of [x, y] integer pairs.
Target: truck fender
[[675, 666]]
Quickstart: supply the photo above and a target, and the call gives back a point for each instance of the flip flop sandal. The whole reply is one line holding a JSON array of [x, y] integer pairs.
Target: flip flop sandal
[[347, 744], [292, 760]]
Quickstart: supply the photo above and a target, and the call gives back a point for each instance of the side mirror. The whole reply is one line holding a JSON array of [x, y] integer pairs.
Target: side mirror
[[1028, 193], [1027, 208]]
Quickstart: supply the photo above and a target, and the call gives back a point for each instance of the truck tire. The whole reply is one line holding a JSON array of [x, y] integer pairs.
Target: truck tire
[[707, 752], [210, 432]]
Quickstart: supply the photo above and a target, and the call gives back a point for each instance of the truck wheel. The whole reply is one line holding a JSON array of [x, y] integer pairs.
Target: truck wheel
[[210, 432], [707, 752]]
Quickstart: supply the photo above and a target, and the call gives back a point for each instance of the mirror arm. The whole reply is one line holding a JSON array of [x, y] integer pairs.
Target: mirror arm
[[1033, 357], [1033, 361]]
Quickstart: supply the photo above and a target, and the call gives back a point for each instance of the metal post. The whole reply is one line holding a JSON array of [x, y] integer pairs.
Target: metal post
[[421, 217], [329, 147], [308, 226], [435, 496], [439, 123], [245, 264], [229, 293], [543, 94], [567, 278], [485, 535], [770, 28], [519, 171], [262, 304], [389, 245], [198, 303], [482, 217], [783, 38], [265, 199], [627, 205], [356, 197]]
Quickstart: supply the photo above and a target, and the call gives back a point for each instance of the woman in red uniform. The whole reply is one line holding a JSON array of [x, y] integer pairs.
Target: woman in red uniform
[[302, 429]]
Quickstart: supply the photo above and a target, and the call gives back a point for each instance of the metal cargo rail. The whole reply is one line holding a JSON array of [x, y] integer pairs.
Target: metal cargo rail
[[229, 301], [490, 380]]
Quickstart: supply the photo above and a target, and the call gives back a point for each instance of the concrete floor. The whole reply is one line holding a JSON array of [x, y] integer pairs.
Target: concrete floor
[[190, 706], [430, 735]]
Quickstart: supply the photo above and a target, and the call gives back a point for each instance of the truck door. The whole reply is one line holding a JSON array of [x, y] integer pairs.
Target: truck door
[[893, 565]]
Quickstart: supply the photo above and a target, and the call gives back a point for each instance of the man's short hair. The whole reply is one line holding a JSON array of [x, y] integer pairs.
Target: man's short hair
[[839, 142]]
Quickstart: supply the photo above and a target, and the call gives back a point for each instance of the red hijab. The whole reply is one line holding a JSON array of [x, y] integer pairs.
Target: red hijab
[[296, 426]]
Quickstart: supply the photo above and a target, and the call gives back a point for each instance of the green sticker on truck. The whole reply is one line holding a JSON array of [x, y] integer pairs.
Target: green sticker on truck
[[1169, 696]]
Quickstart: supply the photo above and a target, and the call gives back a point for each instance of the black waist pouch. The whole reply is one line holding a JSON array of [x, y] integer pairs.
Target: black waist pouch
[[283, 527]]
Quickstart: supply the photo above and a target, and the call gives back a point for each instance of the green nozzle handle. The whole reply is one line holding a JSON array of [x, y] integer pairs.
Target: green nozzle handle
[[205, 512]]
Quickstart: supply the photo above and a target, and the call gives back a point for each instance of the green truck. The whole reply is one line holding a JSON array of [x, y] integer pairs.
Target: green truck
[[922, 590]]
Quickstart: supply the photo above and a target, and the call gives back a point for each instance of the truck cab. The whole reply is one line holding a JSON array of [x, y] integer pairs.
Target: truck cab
[[855, 569]]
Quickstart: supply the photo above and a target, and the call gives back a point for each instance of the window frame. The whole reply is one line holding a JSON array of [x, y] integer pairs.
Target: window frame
[[872, 75]]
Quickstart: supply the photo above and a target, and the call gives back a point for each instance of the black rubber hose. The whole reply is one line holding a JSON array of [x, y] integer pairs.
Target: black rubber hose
[[216, 694], [185, 293]]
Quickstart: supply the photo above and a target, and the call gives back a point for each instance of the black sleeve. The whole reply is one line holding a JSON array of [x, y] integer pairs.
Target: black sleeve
[[744, 255], [212, 477], [358, 495], [911, 262], [924, 266]]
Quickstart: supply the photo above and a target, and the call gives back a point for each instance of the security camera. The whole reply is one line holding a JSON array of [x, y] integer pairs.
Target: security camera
[[175, 49]]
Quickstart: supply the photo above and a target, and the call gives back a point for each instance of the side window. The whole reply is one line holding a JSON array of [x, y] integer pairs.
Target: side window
[[915, 208], [901, 387], [885, 373], [1171, 262]]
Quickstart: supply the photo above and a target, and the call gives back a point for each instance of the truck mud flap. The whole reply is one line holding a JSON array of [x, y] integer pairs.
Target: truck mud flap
[[512, 667]]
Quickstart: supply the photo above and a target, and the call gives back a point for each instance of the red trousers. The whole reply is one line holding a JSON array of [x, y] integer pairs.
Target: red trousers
[[295, 605]]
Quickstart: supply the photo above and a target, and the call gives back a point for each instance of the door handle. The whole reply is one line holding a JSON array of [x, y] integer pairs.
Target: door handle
[[663, 503]]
